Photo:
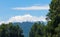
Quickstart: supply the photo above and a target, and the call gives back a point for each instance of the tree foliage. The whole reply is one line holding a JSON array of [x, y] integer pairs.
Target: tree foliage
[[54, 15], [37, 30], [10, 30]]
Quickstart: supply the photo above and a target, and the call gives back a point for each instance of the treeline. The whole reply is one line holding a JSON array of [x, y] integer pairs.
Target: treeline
[[10, 30]]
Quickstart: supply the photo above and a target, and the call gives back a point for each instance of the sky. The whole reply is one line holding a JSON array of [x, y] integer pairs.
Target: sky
[[25, 10]]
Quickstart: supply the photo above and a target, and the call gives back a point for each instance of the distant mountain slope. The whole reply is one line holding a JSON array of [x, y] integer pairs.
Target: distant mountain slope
[[26, 26]]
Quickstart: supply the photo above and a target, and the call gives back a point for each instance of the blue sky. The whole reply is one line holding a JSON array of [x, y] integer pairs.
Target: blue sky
[[7, 11]]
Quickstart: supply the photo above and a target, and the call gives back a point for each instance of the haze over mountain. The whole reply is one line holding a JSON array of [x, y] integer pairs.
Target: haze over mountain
[[26, 26]]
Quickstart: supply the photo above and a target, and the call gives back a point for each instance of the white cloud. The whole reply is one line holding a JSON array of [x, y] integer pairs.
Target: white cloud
[[32, 8], [1, 22], [25, 18]]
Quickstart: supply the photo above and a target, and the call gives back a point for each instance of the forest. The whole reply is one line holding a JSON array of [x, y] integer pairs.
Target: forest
[[39, 29]]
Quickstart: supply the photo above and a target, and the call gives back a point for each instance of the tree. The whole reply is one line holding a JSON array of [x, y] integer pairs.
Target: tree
[[37, 30], [54, 15], [10, 30]]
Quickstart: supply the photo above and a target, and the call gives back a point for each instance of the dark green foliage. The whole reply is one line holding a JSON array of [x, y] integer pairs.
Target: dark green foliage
[[9, 30], [54, 15], [37, 30]]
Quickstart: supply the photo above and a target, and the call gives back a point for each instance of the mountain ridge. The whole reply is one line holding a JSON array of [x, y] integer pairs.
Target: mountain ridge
[[26, 26]]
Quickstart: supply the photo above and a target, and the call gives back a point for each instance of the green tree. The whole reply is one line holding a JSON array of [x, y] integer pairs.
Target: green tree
[[37, 30], [10, 30], [54, 15]]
